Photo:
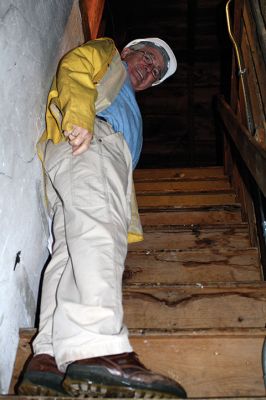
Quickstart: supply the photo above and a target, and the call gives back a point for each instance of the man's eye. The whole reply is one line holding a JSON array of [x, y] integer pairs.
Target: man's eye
[[156, 72], [147, 58]]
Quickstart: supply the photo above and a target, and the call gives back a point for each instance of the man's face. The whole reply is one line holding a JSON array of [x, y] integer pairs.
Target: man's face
[[143, 66]]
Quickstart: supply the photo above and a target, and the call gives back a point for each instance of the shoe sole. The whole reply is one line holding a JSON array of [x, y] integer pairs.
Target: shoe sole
[[78, 388], [34, 389]]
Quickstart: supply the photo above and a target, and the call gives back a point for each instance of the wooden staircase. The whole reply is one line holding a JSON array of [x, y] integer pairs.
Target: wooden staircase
[[194, 296], [193, 288]]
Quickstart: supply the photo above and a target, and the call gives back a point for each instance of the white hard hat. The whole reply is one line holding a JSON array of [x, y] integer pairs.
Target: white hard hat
[[172, 65]]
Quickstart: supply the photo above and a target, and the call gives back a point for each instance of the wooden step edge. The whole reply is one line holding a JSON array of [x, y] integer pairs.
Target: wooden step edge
[[206, 208], [209, 249], [179, 172], [239, 226], [15, 397], [200, 333], [176, 192], [27, 334], [152, 179], [180, 194], [243, 285]]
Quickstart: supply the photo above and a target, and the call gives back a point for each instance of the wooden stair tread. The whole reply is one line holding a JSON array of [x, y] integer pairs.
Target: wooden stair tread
[[191, 215], [176, 200], [191, 266], [16, 397], [155, 187], [192, 236], [229, 305], [178, 173]]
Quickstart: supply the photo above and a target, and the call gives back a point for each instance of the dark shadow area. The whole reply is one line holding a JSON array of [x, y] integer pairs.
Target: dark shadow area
[[179, 121]]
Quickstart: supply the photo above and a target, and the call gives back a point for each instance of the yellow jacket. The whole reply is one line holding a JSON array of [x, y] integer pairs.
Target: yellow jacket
[[87, 81]]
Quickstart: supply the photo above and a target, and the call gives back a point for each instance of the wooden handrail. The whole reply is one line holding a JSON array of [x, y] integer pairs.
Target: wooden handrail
[[252, 154]]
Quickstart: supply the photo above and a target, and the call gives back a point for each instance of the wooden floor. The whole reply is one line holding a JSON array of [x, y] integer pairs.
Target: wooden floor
[[194, 295]]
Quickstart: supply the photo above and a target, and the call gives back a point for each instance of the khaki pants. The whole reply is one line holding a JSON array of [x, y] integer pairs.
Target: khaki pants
[[89, 198]]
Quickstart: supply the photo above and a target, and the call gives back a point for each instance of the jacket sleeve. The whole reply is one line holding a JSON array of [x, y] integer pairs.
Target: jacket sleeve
[[76, 90]]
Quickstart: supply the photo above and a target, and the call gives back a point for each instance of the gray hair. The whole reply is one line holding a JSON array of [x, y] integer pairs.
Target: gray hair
[[166, 59]]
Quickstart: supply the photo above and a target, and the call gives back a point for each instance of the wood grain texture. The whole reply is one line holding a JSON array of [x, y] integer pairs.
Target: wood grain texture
[[198, 186], [183, 201], [184, 266], [193, 237], [178, 173], [194, 307], [207, 367], [192, 216]]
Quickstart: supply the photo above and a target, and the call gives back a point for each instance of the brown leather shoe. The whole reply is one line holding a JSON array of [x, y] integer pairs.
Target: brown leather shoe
[[41, 377], [118, 376]]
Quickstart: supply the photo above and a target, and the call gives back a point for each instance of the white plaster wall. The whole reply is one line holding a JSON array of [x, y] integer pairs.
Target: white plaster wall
[[30, 34]]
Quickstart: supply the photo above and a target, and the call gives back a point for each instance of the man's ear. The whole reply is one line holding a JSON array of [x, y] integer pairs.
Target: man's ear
[[125, 52]]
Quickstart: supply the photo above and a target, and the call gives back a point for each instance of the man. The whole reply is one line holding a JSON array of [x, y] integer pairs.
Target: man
[[82, 348]]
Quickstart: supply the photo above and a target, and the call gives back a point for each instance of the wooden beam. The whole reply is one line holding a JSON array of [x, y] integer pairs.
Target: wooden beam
[[251, 152]]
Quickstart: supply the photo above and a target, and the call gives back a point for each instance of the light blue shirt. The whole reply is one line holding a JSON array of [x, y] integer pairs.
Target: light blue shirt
[[124, 116]]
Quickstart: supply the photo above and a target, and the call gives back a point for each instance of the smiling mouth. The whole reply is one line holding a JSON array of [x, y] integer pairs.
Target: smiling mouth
[[140, 75]]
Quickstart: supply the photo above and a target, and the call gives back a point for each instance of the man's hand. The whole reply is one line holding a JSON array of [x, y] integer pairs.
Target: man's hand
[[79, 138]]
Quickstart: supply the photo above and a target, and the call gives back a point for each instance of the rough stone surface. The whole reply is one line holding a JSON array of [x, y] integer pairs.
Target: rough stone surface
[[30, 35]]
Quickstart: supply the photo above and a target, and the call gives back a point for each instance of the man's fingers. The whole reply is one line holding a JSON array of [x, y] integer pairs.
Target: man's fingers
[[76, 131], [83, 147], [78, 140]]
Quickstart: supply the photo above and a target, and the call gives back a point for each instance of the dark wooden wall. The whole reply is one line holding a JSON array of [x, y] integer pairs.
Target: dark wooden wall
[[179, 122]]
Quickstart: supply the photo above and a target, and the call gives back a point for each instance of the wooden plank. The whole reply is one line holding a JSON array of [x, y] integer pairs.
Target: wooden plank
[[16, 397], [201, 216], [184, 201], [23, 353], [252, 154], [181, 186], [178, 173], [197, 306], [198, 237], [192, 266], [207, 367]]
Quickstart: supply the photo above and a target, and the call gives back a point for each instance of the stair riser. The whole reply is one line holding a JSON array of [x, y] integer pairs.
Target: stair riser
[[196, 238], [181, 187], [194, 308], [178, 173], [185, 201], [211, 367], [183, 267], [191, 217]]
